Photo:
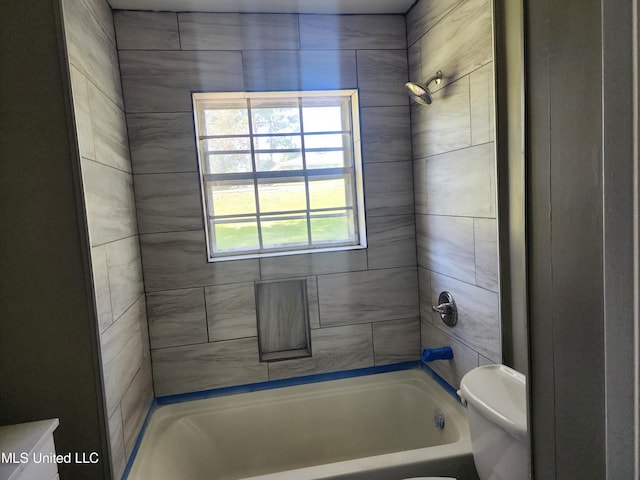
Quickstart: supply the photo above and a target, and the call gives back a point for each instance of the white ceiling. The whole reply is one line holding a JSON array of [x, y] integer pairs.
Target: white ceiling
[[268, 6]]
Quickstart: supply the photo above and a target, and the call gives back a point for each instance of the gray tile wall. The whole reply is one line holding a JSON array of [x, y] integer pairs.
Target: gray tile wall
[[454, 165], [364, 303], [113, 232]]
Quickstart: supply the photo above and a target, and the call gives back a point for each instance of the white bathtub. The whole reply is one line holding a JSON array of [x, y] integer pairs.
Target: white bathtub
[[371, 427]]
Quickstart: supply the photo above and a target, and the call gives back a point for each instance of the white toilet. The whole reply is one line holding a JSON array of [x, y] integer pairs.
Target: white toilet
[[497, 412], [495, 396]]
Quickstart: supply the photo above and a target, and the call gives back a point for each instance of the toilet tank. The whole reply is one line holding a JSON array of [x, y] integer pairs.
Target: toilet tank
[[497, 412]]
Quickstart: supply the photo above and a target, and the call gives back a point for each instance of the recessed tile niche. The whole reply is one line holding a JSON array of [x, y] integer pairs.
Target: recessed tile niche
[[283, 320]]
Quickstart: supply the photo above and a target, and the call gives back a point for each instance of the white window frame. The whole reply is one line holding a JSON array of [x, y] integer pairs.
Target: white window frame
[[354, 171]]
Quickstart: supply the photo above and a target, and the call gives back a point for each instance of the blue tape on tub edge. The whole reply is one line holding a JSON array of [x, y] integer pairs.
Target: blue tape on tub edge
[[136, 446], [441, 381], [286, 382]]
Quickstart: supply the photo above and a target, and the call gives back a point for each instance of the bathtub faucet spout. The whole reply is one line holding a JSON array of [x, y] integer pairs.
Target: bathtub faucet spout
[[441, 353]]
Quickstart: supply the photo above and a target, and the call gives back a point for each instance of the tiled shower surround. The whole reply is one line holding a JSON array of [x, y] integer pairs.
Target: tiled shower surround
[[111, 217], [455, 179], [365, 303], [202, 320]]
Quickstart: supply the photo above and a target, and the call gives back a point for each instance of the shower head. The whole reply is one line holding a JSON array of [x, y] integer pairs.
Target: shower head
[[421, 93]]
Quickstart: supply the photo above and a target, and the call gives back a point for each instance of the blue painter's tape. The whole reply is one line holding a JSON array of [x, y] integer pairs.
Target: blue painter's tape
[[136, 447], [441, 381], [288, 382]]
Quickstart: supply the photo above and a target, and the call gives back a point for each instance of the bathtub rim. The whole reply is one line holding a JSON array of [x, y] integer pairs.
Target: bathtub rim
[[283, 383]]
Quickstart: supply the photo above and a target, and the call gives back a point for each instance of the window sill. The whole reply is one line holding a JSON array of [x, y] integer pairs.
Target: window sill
[[248, 256]]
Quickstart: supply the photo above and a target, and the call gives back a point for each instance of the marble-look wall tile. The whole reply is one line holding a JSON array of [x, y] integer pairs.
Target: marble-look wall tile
[[312, 264], [352, 31], [460, 43], [460, 183], [444, 125], [179, 260], [82, 112], [414, 55], [135, 405], [482, 99], [231, 311], [125, 274], [162, 142], [420, 185], [484, 361], [107, 202], [424, 283], [157, 86], [455, 185], [116, 441], [266, 70], [478, 315], [168, 202], [371, 296], [313, 302], [334, 349], [144, 327], [109, 131], [103, 13], [386, 134], [486, 246], [396, 341], [211, 365], [162, 81], [236, 31], [381, 77], [122, 355], [391, 241], [177, 317], [146, 30], [110, 209], [101, 286], [90, 48], [424, 15], [464, 358], [446, 245], [388, 188]]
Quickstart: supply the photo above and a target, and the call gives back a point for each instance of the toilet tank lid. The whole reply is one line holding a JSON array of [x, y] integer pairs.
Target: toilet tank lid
[[499, 393]]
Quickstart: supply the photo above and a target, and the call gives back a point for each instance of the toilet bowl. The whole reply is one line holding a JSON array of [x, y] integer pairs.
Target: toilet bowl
[[497, 411]]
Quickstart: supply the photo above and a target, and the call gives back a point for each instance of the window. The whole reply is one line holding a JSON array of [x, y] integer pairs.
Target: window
[[281, 172]]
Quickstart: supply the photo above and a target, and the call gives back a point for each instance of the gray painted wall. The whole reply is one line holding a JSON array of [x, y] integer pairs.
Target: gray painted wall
[[621, 237], [111, 215], [565, 233], [363, 303], [583, 224], [455, 180], [49, 363]]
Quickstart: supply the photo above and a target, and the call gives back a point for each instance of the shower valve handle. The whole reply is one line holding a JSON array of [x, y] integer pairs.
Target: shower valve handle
[[444, 308], [447, 309]]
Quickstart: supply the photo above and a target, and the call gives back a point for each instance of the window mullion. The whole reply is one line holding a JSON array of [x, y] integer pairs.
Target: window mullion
[[255, 180]]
